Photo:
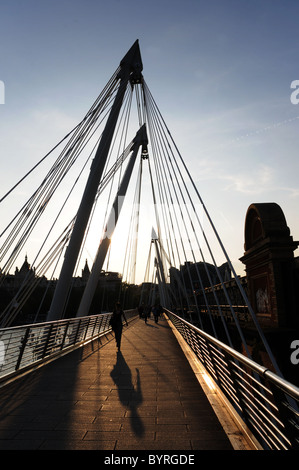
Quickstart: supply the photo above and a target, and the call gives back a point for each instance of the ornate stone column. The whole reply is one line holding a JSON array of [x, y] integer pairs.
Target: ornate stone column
[[270, 265]]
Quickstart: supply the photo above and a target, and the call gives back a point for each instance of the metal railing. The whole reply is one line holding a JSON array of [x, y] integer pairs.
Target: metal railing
[[267, 403], [26, 346]]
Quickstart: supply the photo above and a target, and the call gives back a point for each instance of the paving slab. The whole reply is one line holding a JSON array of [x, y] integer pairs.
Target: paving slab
[[143, 397]]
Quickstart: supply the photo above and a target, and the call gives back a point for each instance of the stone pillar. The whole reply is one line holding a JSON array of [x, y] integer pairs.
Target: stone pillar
[[270, 266]]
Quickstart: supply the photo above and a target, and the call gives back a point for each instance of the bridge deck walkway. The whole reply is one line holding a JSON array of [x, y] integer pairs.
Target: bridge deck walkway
[[145, 397]]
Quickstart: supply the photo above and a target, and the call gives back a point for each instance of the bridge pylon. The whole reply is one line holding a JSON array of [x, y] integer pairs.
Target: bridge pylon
[[139, 141], [130, 70]]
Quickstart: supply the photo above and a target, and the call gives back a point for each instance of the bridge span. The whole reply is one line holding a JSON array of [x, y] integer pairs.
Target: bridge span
[[149, 396]]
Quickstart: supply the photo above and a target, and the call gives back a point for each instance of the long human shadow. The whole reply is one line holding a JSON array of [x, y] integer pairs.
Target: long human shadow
[[122, 377]]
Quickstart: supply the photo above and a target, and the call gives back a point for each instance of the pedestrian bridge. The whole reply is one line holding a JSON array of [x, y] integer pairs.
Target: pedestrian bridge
[[64, 385]]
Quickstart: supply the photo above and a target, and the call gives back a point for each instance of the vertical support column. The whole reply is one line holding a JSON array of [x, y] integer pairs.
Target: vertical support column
[[140, 139], [130, 64], [162, 280]]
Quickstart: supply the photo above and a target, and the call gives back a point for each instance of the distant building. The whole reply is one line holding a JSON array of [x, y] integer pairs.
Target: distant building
[[26, 273], [107, 291], [191, 277]]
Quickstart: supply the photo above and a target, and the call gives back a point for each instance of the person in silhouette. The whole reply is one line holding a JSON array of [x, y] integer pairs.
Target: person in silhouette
[[156, 312], [141, 310], [117, 323], [160, 310], [146, 313]]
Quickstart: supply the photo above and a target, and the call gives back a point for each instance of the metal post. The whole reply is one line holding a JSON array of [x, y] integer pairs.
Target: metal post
[[49, 333], [162, 280], [140, 140], [131, 64], [64, 335], [22, 349]]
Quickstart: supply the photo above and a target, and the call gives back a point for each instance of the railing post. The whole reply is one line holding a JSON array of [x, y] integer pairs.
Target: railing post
[[64, 335], [47, 341], [77, 332], [94, 327], [86, 328], [23, 345]]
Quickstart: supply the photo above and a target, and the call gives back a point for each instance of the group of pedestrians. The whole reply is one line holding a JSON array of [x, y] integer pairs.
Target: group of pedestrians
[[145, 312]]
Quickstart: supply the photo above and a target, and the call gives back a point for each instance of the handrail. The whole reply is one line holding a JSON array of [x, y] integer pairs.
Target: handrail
[[30, 345], [267, 403]]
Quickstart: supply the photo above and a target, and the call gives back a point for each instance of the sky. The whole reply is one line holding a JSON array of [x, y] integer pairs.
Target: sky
[[220, 71]]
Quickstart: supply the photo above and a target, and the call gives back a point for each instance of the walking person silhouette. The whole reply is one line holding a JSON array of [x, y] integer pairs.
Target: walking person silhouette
[[116, 322]]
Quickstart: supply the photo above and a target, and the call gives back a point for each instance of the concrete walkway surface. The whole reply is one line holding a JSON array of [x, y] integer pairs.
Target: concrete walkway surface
[[145, 397]]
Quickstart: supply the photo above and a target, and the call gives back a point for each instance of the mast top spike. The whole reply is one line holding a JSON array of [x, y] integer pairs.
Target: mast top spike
[[133, 58]]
